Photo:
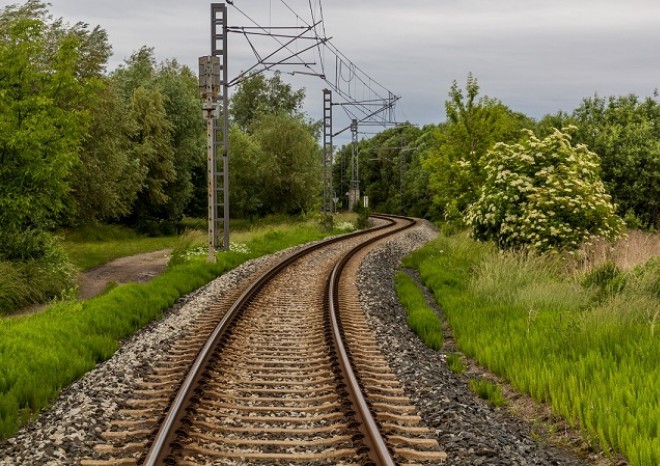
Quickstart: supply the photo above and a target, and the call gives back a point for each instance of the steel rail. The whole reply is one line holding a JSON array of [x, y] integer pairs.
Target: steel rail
[[375, 443], [161, 448]]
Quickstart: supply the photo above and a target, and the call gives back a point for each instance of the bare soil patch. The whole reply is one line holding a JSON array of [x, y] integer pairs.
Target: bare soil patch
[[138, 268]]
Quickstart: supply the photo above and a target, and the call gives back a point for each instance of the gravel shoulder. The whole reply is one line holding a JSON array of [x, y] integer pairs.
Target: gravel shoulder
[[469, 430]]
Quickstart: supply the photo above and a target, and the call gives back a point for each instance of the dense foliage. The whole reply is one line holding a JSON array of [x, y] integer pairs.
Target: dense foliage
[[550, 192], [542, 195], [472, 128], [78, 145], [46, 96], [274, 157], [390, 171], [165, 131], [625, 133]]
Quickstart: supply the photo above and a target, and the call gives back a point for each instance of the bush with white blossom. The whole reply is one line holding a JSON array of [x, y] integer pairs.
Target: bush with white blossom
[[542, 195]]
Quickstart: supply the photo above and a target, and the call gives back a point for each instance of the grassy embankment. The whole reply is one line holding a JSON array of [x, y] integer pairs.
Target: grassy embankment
[[42, 353], [580, 337], [92, 246]]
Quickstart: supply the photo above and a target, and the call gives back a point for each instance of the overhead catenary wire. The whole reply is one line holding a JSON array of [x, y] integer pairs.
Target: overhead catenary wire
[[351, 84]]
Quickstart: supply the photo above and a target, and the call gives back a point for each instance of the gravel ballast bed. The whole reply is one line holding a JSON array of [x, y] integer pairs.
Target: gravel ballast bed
[[469, 430]]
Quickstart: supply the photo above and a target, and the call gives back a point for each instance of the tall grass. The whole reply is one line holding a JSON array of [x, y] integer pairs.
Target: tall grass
[[35, 281], [589, 348], [42, 353]]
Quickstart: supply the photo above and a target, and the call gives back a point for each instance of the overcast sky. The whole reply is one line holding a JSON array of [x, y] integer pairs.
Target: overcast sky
[[537, 57]]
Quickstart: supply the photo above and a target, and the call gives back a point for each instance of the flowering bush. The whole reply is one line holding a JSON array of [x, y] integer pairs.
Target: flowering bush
[[542, 195], [345, 227]]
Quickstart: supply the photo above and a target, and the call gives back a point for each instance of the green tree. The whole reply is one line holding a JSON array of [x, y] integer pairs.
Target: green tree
[[258, 95], [293, 181], [45, 99], [542, 194], [274, 158], [390, 172], [417, 201], [249, 168], [549, 123], [625, 133], [151, 145], [179, 87], [472, 127], [166, 134], [108, 177]]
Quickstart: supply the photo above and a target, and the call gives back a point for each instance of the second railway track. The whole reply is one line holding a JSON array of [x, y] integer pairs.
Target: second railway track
[[274, 385]]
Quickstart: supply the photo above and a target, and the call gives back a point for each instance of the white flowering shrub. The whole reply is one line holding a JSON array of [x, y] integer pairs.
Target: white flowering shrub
[[542, 195], [345, 227]]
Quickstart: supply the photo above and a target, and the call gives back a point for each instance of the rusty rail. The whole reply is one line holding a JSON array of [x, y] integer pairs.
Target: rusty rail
[[378, 451]]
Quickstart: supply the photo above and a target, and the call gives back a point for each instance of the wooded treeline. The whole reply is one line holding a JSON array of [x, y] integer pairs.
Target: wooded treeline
[[79, 145], [438, 171]]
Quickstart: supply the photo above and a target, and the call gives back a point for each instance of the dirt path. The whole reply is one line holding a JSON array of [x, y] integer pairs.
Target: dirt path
[[139, 268]]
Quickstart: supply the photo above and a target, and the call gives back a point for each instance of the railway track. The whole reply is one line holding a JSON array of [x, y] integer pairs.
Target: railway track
[[290, 374]]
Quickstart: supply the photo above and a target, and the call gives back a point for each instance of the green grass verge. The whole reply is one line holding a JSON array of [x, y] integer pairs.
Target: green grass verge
[[42, 353], [487, 390], [421, 318], [592, 357], [455, 363], [90, 254], [90, 246]]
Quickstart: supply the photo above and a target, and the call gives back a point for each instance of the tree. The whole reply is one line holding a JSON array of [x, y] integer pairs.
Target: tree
[[542, 195], [275, 169], [249, 169], [417, 201], [44, 101], [390, 172], [107, 178], [179, 87], [275, 160], [473, 126], [258, 95], [625, 133], [293, 180], [166, 134], [150, 138]]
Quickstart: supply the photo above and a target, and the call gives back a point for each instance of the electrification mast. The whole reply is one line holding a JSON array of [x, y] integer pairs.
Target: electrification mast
[[213, 80]]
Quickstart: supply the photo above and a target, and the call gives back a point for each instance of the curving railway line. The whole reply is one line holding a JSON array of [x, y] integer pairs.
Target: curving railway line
[[286, 371]]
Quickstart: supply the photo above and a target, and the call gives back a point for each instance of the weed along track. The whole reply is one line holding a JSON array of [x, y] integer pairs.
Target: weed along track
[[289, 375]]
